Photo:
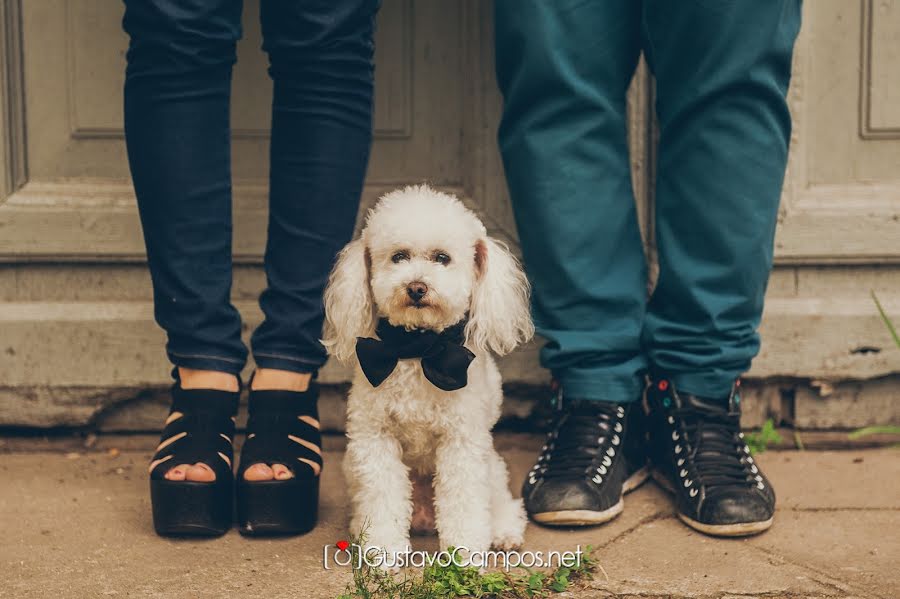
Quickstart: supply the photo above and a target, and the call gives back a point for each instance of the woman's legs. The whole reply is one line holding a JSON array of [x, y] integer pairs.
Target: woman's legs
[[177, 110], [320, 56], [177, 90]]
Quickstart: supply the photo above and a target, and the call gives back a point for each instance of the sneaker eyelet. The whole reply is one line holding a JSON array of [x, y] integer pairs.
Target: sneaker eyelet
[[678, 449], [681, 461], [693, 492], [759, 485], [618, 427], [597, 479], [607, 461], [683, 473], [674, 435], [615, 440], [671, 420], [601, 469], [688, 483]]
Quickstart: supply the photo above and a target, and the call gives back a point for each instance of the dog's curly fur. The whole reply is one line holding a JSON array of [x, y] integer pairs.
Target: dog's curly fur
[[407, 429]]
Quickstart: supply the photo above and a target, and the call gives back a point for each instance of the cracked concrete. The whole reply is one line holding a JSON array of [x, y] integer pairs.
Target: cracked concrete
[[76, 524]]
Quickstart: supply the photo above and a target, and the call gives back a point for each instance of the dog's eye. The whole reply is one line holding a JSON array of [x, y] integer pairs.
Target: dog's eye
[[442, 258], [400, 256]]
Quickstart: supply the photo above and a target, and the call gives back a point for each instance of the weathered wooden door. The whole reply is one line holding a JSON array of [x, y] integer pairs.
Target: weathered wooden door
[[838, 238]]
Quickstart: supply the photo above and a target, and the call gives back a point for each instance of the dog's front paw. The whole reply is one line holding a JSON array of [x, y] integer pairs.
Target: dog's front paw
[[508, 526], [508, 543]]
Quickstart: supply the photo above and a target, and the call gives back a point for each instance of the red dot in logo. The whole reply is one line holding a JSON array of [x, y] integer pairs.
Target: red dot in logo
[[663, 385], [342, 545]]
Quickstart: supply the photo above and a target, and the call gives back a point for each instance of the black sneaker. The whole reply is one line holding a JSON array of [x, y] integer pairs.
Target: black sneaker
[[592, 455], [698, 453]]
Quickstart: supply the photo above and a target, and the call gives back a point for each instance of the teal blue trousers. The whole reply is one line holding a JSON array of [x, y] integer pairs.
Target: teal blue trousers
[[722, 69]]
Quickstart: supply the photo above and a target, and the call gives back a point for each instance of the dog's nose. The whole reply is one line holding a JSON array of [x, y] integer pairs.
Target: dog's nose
[[416, 290]]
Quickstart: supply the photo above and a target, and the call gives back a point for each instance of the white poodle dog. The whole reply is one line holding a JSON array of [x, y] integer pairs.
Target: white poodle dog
[[440, 294]]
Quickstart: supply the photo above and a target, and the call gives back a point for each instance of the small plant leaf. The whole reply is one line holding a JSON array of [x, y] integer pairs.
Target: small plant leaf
[[874, 430], [887, 321], [759, 442]]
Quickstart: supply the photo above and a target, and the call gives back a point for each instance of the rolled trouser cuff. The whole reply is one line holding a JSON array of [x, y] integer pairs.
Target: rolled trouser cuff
[[600, 386], [279, 361], [712, 384], [200, 361]]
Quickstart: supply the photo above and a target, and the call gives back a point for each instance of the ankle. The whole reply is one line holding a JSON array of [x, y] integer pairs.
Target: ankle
[[272, 379], [208, 379]]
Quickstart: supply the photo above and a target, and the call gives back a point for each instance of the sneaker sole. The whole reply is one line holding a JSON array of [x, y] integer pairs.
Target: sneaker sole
[[591, 517], [741, 529]]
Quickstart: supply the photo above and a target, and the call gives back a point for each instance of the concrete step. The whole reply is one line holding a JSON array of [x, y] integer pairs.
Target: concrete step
[[63, 363]]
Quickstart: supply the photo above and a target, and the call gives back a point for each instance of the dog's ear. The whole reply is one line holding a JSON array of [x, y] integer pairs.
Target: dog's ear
[[499, 315], [349, 312]]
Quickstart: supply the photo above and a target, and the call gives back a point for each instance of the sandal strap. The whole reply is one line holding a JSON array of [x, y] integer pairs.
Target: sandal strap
[[276, 432], [203, 433], [204, 401], [264, 403]]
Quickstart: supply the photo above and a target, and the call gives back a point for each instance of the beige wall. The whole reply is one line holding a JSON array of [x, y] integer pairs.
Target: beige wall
[[75, 313]]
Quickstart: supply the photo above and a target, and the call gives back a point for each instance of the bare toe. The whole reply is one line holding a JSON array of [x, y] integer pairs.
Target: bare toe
[[282, 472], [201, 473], [258, 472], [179, 472]]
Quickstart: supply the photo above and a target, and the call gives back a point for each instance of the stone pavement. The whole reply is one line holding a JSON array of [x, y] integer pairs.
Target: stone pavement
[[75, 523]]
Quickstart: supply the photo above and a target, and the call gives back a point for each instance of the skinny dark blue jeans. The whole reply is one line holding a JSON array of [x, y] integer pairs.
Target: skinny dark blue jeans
[[177, 96]]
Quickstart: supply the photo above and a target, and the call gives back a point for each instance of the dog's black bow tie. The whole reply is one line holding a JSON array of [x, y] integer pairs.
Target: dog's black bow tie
[[444, 358]]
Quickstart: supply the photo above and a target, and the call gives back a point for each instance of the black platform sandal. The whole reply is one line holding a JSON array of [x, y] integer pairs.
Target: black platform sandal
[[283, 428], [203, 432]]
